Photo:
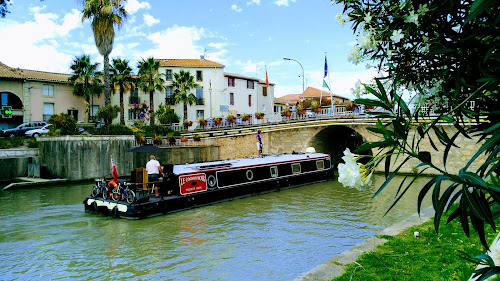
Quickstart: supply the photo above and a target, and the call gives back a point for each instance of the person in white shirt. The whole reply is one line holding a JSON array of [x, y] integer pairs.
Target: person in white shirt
[[154, 170]]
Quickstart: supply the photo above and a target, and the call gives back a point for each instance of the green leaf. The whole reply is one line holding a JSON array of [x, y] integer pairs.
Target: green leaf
[[488, 144], [448, 146], [478, 6], [425, 156], [423, 192]]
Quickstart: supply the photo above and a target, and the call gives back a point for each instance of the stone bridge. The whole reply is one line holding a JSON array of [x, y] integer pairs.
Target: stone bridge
[[332, 137]]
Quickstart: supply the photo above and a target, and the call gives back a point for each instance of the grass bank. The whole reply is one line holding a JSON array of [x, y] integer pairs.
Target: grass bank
[[430, 256]]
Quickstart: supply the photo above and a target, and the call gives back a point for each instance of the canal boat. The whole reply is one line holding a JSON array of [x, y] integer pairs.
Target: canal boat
[[198, 184]]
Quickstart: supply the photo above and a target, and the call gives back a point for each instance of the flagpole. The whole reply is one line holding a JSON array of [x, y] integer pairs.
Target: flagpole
[[331, 96]]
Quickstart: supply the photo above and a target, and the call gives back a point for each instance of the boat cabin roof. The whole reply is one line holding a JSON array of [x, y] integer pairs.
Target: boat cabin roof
[[238, 163]]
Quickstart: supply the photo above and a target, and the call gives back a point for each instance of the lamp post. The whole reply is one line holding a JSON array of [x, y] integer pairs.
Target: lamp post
[[210, 91], [303, 90]]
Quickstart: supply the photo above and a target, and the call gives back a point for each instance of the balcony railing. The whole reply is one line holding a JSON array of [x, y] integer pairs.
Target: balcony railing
[[200, 101]]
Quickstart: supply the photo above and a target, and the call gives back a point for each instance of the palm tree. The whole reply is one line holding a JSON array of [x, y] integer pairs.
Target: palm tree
[[122, 81], [84, 81], [104, 14], [150, 80], [182, 84]]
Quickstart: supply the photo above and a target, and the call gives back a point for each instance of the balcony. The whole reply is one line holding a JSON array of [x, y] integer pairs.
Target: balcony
[[170, 101], [200, 101]]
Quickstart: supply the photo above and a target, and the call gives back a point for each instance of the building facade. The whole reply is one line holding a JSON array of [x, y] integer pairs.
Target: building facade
[[37, 95]]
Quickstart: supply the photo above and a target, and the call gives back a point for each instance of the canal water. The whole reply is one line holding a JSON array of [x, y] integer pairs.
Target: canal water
[[45, 234]]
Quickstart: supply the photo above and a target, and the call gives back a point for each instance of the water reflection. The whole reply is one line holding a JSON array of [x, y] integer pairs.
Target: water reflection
[[45, 234]]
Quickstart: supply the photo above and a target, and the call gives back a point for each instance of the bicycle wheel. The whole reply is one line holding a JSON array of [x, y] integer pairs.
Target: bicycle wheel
[[105, 193], [115, 195], [130, 196], [95, 191]]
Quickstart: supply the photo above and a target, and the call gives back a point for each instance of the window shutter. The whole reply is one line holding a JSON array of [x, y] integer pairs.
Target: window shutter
[[264, 91]]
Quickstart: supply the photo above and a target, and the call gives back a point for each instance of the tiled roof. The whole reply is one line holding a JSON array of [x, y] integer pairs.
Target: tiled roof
[[189, 63], [310, 92], [17, 73]]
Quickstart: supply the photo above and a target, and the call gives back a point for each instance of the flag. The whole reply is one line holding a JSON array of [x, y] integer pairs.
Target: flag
[[325, 85], [113, 170], [267, 80], [326, 69]]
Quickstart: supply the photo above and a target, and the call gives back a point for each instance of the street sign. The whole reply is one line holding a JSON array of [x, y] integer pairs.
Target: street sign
[[224, 108], [6, 111]]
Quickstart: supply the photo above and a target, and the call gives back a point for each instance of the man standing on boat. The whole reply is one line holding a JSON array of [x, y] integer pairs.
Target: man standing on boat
[[153, 168], [259, 144]]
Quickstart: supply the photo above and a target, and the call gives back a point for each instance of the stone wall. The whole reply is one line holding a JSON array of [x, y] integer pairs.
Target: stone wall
[[88, 157]]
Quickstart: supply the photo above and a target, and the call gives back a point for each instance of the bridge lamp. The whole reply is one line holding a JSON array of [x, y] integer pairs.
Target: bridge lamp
[[303, 90]]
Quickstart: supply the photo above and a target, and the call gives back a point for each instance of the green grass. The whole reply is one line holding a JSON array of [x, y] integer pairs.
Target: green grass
[[430, 257]]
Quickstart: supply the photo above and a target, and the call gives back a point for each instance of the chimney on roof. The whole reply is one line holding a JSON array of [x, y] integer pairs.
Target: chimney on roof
[[202, 57]]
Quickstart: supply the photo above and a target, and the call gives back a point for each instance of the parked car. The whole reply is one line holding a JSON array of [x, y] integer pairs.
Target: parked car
[[37, 132], [21, 129]]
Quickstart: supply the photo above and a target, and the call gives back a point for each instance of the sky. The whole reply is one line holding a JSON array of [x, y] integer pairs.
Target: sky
[[247, 36]]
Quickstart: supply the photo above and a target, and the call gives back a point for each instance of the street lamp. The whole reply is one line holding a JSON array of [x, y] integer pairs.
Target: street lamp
[[210, 91], [303, 90]]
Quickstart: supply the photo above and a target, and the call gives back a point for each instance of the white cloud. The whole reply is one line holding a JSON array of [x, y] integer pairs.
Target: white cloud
[[176, 42], [217, 45], [37, 9], [283, 2], [41, 43], [256, 2], [132, 6], [235, 8], [150, 20]]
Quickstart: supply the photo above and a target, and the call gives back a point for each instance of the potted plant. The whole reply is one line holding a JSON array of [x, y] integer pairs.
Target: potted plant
[[140, 138], [245, 117], [156, 139], [202, 121], [286, 112], [259, 115], [184, 139], [171, 138], [187, 123], [300, 110], [197, 137], [217, 120], [230, 118], [315, 106]]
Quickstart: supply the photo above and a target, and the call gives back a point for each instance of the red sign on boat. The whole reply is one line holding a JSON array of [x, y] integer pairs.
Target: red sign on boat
[[193, 183]]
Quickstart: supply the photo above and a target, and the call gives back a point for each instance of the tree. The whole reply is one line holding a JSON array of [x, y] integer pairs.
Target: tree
[[104, 14], [122, 81], [150, 80], [448, 52], [84, 80], [182, 84]]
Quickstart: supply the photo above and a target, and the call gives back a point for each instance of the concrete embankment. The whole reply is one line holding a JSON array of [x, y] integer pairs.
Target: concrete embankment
[[77, 158]]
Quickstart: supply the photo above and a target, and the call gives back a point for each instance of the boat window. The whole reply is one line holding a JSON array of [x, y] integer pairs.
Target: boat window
[[249, 175], [320, 164], [274, 171], [296, 168]]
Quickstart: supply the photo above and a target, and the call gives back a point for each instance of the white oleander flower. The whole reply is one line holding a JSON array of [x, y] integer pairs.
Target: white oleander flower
[[366, 41], [368, 17], [355, 55], [340, 18], [412, 18], [353, 174], [397, 35]]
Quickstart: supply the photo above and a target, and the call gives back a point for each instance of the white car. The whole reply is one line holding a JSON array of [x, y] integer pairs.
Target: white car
[[37, 132]]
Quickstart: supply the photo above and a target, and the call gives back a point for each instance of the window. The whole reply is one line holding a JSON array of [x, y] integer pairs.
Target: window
[[264, 91], [250, 85], [134, 96], [199, 96], [200, 114], [296, 168], [93, 111], [73, 113], [132, 115], [274, 171], [199, 75], [231, 98], [4, 99], [230, 81], [168, 74], [320, 164], [48, 90], [48, 110], [249, 100], [263, 108], [170, 91]]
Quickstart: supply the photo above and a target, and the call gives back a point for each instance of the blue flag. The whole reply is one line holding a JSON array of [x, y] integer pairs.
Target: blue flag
[[326, 68]]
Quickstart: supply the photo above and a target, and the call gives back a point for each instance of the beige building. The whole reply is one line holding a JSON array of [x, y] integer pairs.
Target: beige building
[[310, 93], [37, 95]]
